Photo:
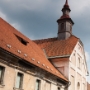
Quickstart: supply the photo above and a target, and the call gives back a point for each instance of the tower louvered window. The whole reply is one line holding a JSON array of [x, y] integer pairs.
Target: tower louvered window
[[62, 26]]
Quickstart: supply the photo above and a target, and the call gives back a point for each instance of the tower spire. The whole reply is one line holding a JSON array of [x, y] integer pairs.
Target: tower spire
[[66, 2], [65, 23], [66, 6]]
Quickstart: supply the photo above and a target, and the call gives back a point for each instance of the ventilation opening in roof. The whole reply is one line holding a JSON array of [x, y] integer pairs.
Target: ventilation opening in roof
[[24, 42]]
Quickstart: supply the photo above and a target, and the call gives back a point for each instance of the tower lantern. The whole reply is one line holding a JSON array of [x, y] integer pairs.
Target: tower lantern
[[65, 23]]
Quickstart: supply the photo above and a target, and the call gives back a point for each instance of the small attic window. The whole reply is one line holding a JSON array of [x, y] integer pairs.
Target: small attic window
[[24, 42]]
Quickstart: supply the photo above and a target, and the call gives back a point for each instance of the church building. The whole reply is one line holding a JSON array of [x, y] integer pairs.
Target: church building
[[47, 64], [66, 52]]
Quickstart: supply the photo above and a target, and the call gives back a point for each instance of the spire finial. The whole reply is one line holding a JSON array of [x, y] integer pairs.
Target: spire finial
[[66, 2], [66, 6]]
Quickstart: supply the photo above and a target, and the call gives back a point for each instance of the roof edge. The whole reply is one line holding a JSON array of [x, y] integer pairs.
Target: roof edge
[[58, 56], [10, 53]]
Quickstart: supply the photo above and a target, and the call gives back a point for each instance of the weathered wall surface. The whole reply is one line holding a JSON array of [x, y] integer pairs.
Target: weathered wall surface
[[62, 66], [78, 68], [30, 76]]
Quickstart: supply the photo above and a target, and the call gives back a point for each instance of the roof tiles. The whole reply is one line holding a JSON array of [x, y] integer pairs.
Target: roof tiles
[[54, 47], [88, 86], [30, 52]]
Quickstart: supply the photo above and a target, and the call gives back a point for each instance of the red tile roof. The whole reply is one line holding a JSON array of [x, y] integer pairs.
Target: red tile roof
[[88, 86], [65, 16], [30, 52], [54, 47]]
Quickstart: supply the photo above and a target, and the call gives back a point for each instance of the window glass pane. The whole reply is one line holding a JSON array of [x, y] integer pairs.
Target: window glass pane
[[37, 84], [0, 73], [18, 80]]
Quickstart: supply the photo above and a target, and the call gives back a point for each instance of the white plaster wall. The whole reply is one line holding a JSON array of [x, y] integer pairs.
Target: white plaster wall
[[80, 73]]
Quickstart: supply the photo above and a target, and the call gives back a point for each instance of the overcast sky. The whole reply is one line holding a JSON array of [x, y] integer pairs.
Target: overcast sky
[[37, 18]]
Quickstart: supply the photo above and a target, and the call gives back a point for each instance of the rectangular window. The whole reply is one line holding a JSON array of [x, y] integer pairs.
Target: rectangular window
[[2, 69], [72, 82], [38, 82], [19, 80], [78, 62], [73, 59]]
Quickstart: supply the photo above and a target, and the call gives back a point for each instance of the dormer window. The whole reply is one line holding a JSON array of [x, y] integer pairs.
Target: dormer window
[[24, 42]]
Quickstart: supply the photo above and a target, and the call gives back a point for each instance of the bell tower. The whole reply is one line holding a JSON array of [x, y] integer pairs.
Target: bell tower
[[65, 23]]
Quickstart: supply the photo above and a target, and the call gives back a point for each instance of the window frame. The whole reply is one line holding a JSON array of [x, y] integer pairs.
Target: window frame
[[2, 75], [20, 82], [39, 84]]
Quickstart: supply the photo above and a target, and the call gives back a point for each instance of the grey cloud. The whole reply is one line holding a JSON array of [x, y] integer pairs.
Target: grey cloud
[[38, 18]]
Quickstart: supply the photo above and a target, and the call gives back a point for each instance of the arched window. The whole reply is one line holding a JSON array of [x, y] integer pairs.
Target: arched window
[[62, 26], [78, 86]]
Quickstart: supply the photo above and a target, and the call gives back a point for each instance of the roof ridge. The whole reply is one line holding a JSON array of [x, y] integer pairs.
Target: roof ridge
[[75, 36], [45, 38]]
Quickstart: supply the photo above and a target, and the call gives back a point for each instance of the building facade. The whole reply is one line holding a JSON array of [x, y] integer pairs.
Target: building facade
[[23, 64], [48, 64], [66, 52]]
